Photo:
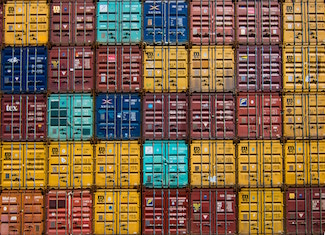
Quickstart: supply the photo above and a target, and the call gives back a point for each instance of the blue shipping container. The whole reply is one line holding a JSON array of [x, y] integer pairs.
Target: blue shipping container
[[165, 164], [24, 69], [165, 22], [118, 116], [119, 21], [70, 117]]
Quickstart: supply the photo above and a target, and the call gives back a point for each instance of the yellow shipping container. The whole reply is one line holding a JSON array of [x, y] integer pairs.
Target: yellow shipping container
[[212, 164], [23, 165], [212, 68], [26, 23], [261, 211], [70, 165], [165, 69], [117, 212], [260, 164], [118, 164]]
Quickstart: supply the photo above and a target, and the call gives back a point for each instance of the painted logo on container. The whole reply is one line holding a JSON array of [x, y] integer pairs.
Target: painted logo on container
[[149, 202], [11, 108], [243, 102], [13, 60]]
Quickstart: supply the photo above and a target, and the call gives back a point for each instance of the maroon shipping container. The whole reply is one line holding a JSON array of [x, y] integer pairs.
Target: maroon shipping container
[[68, 212], [213, 211], [259, 116], [212, 116], [259, 68], [23, 117], [72, 22], [305, 211], [21, 212], [71, 69], [259, 22], [119, 68], [165, 211], [212, 22], [165, 116]]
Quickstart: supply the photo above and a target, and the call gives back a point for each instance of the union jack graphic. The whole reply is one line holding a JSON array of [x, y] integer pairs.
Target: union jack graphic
[[154, 7], [107, 101]]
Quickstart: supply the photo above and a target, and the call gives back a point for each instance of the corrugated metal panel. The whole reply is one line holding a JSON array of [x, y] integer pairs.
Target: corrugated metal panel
[[118, 116], [117, 212], [165, 22], [212, 164], [70, 165], [118, 164], [316, 162], [165, 164], [23, 165], [165, 69], [1, 22], [212, 68]]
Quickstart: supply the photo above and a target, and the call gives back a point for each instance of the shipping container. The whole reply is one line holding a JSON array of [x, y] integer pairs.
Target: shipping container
[[26, 23], [68, 212], [165, 211], [213, 211], [22, 212], [165, 69], [70, 117], [70, 165], [260, 164], [259, 68], [212, 116], [212, 164], [259, 116], [72, 22], [212, 22], [24, 69], [1, 22], [119, 69], [165, 164], [24, 165], [304, 116], [118, 116], [119, 22], [261, 211], [212, 68], [165, 22], [117, 164], [117, 212], [165, 116], [71, 69], [259, 22]]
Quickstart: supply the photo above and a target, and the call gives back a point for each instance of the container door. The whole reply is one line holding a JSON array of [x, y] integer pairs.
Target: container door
[[33, 213], [293, 32], [84, 25], [315, 115], [314, 68], [224, 114], [105, 212], [314, 16], [294, 116], [80, 212], [15, 23], [249, 212], [154, 21], [130, 18], [226, 216], [317, 210], [128, 117], [154, 69], [11, 213], [270, 22], [248, 164], [316, 162]]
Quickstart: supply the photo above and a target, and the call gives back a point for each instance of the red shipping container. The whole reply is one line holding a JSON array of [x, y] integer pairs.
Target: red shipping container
[[71, 69], [259, 116], [72, 22], [165, 116], [68, 212], [213, 211], [119, 69], [212, 116], [21, 212], [259, 68], [23, 117], [165, 211], [212, 22]]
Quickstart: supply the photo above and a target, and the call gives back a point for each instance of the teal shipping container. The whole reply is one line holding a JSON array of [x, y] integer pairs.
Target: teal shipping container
[[70, 117], [165, 164]]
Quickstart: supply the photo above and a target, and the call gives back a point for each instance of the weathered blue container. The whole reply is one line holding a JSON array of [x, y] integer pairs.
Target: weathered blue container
[[24, 70], [70, 117], [118, 116], [119, 22], [165, 22], [165, 164]]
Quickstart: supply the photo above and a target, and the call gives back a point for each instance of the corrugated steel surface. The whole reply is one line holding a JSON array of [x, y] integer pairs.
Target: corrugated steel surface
[[165, 22], [117, 164], [22, 212], [117, 212], [118, 116], [1, 23], [165, 116], [212, 164], [165, 164]]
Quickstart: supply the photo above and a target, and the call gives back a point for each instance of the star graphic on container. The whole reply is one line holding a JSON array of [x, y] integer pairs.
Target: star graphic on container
[[107, 101]]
